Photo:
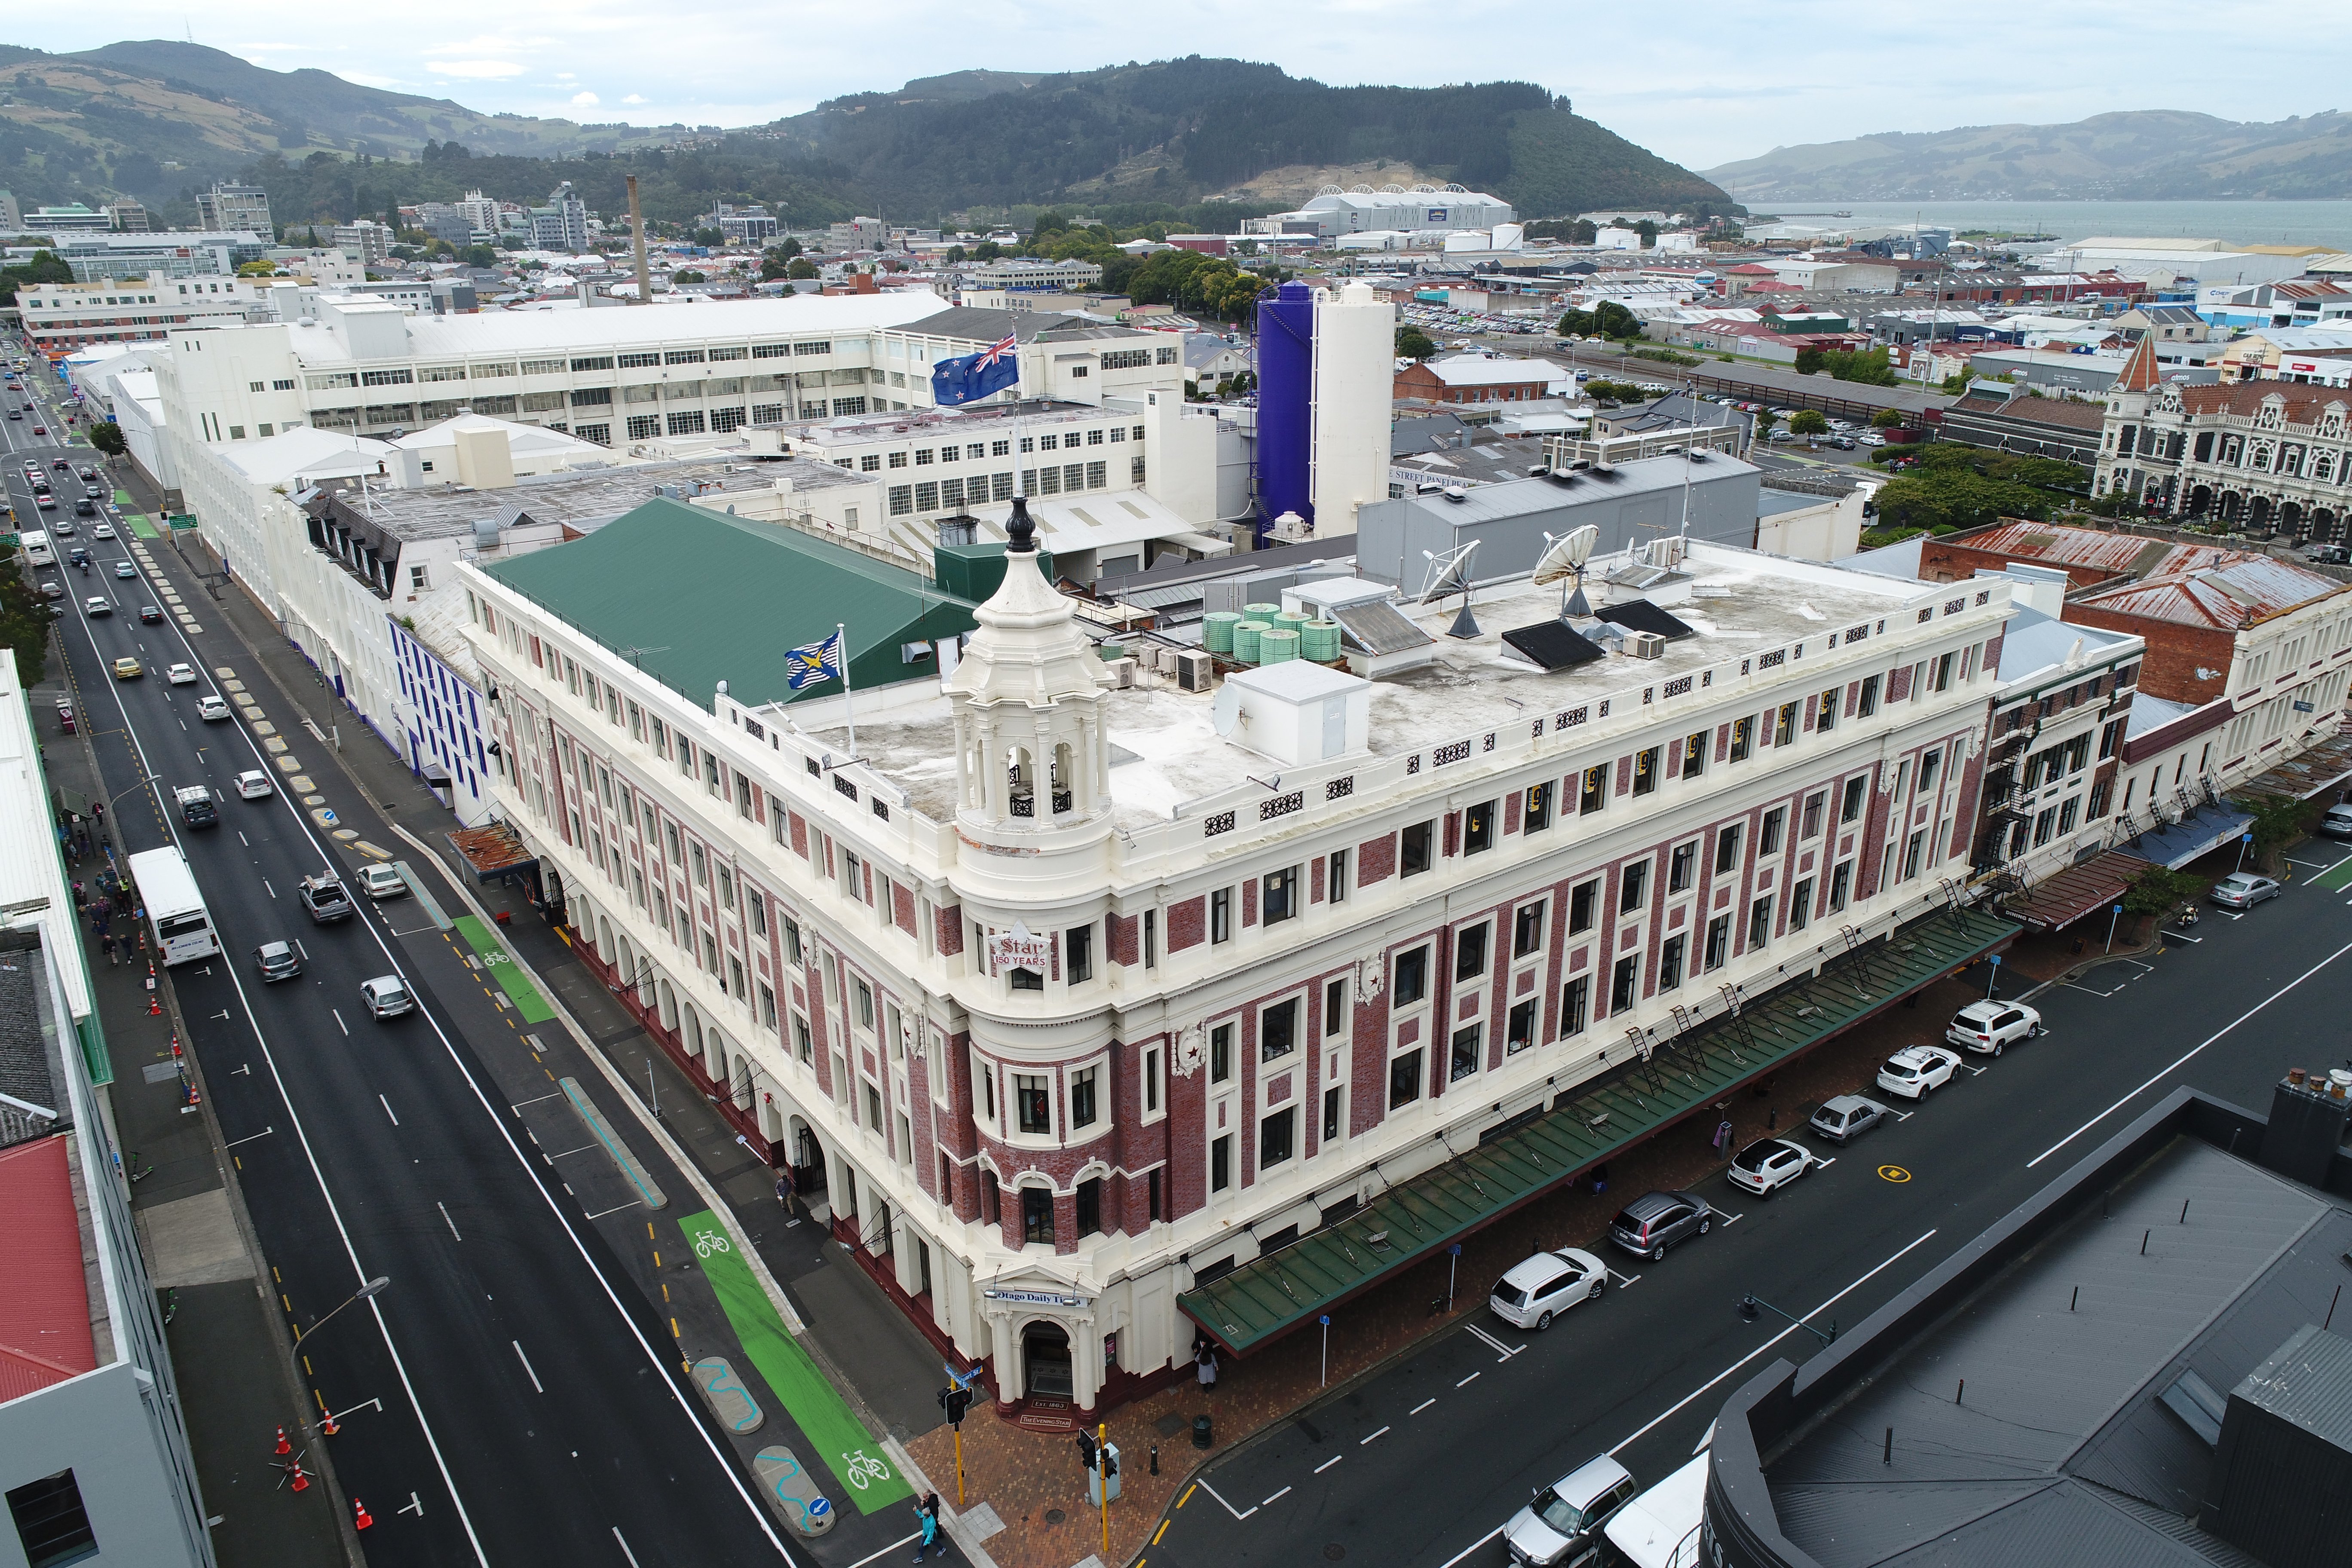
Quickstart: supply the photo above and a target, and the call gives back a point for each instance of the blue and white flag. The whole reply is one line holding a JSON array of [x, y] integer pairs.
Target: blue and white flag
[[817, 661], [975, 376]]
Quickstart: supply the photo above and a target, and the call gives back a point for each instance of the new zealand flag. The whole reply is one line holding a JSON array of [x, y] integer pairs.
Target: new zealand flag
[[975, 376]]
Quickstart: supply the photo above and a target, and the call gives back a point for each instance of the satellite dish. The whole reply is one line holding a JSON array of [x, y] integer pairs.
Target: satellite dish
[[1564, 562], [1225, 710], [1450, 573]]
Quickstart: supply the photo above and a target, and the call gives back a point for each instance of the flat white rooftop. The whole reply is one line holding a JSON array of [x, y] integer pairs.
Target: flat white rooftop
[[1740, 605], [501, 332]]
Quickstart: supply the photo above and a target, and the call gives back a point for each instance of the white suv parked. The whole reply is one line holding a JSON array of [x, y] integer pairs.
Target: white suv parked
[[1549, 1283], [1986, 1026]]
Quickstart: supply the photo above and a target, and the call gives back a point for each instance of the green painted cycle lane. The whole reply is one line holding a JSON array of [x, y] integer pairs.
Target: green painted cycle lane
[[855, 1459], [525, 996]]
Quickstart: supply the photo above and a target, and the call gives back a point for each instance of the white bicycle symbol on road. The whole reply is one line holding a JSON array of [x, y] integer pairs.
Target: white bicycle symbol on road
[[707, 1241], [863, 1469]]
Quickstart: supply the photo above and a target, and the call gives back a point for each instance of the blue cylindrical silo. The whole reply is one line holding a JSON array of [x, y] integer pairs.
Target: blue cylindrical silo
[[1286, 386]]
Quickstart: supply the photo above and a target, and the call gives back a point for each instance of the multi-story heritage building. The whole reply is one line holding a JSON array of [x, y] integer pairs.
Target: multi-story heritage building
[[1071, 984], [2247, 663], [2260, 455]]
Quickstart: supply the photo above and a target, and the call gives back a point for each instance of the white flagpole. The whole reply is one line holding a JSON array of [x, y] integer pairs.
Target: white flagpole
[[841, 637]]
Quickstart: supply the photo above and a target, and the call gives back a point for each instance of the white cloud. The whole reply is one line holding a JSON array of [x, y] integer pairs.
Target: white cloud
[[585, 100], [565, 75], [486, 70], [636, 98]]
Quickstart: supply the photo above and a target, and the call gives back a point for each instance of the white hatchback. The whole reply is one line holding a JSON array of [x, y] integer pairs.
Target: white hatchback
[[1549, 1283], [181, 675], [211, 707], [1916, 1072], [253, 785], [1766, 1165]]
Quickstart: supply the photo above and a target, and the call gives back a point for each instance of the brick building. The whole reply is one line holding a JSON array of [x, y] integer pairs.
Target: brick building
[[1474, 378], [1075, 993], [2248, 658]]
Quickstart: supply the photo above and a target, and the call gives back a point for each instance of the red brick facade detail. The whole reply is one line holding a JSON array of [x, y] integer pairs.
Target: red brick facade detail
[[1121, 939], [1188, 923], [902, 907], [950, 931], [1376, 861]]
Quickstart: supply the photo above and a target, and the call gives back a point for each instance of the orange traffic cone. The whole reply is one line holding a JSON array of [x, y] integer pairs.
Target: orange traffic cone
[[301, 1481], [283, 1445], [330, 1426], [362, 1518], [154, 1006]]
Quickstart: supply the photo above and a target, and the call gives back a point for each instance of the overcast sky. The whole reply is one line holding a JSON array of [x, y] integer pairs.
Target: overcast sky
[[1703, 82]]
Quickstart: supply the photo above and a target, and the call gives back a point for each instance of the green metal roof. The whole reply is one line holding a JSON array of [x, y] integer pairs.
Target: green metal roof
[[695, 597], [1265, 1298]]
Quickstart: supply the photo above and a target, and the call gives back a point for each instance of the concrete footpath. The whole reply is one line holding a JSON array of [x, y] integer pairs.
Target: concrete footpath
[[230, 1351]]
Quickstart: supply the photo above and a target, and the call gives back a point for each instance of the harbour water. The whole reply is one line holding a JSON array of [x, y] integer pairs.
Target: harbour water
[[2243, 223]]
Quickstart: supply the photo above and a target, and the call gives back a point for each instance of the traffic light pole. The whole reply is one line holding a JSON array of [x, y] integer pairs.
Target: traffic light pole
[[959, 1447], [1102, 1481]]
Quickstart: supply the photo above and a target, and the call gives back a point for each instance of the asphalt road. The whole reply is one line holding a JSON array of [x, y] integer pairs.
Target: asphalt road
[[517, 1400], [1423, 1464]]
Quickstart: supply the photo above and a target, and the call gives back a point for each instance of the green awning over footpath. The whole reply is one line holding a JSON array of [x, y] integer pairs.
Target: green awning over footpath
[[1265, 1298]]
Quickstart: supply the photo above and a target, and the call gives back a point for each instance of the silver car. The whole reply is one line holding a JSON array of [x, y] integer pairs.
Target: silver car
[[1560, 1526], [1847, 1116], [2244, 891], [386, 997]]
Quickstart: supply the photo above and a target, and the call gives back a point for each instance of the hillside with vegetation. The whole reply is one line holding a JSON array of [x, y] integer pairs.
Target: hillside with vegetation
[[2145, 155], [159, 120]]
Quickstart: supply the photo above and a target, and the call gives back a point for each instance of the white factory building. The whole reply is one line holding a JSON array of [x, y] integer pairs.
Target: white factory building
[[1422, 209]]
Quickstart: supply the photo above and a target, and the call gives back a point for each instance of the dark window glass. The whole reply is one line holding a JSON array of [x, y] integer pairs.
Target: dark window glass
[[1277, 1135], [1465, 1052], [1850, 808], [1633, 887], [1411, 983], [1718, 942], [1621, 982], [1404, 1079], [1767, 841], [1581, 901], [1220, 1164], [1078, 943], [1153, 1184], [1032, 1104], [1470, 952], [1727, 849], [1594, 792], [1537, 815], [1330, 1115], [1645, 771], [1037, 1215], [1575, 1000], [1281, 899], [1670, 961], [1759, 923], [1278, 1030], [1413, 849], [1527, 929], [1221, 1053], [1679, 864], [1478, 828], [1090, 1207], [1520, 1031], [51, 1522]]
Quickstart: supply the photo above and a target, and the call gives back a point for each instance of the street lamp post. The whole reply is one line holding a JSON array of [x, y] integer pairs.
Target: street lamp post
[[1994, 984], [2112, 918], [362, 1294]]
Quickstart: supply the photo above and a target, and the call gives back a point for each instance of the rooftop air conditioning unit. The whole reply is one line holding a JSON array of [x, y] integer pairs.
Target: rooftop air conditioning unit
[[1195, 670], [1645, 645], [1118, 674]]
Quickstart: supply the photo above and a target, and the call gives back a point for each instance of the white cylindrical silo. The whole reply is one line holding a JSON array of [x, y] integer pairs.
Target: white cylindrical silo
[[1355, 370]]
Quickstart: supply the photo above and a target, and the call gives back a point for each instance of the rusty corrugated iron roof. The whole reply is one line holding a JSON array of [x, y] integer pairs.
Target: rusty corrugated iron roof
[[2242, 593]]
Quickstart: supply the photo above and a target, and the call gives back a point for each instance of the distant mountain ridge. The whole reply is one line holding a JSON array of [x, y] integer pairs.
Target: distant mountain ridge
[[1183, 129], [158, 119], [2142, 156]]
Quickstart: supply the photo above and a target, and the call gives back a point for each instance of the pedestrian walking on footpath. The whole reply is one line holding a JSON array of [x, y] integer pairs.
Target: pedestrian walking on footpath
[[784, 1188], [1207, 1369], [80, 900]]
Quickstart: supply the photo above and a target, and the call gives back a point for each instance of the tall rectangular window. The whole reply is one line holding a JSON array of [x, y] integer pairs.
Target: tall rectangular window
[[1464, 1058], [1830, 702], [1037, 1215], [1670, 961], [1221, 915], [1335, 1006], [1718, 942], [1033, 1103], [1470, 952], [1679, 864], [1645, 770], [1726, 850], [1743, 737], [1693, 754], [1336, 881], [1867, 703], [1575, 1001], [1536, 815], [1759, 923], [1413, 849], [1850, 808], [1519, 1026], [1593, 789], [1527, 929], [1152, 1081], [1581, 898], [1277, 1029], [1221, 1053], [1277, 1137], [1622, 982], [1409, 979], [1840, 884], [1082, 1097], [1801, 905], [1279, 899], [1089, 1206], [1812, 824], [1768, 838], [1220, 1164], [1331, 1115], [1633, 886], [1078, 944], [1152, 1185], [1404, 1081], [1478, 828]]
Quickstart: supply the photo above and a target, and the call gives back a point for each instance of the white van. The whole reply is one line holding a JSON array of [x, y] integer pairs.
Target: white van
[[1660, 1529]]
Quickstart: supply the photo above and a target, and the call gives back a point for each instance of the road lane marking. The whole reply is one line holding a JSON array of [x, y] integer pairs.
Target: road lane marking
[[1472, 1378], [387, 1108], [1729, 1218], [1276, 1498], [1328, 1463], [1473, 1546], [1625, 1279], [625, 1540], [1507, 1352], [264, 882], [346, 1028], [2186, 1056], [446, 1220], [1759, 1350], [633, 1202], [1422, 1405], [1230, 1509], [526, 1366], [1381, 1433], [250, 1136], [886, 1552]]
